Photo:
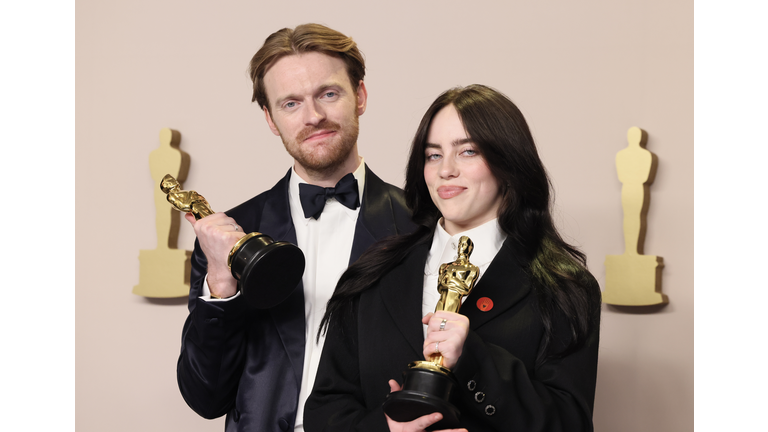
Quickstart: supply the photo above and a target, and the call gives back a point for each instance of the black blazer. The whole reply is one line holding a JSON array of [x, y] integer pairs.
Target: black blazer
[[501, 388], [248, 364]]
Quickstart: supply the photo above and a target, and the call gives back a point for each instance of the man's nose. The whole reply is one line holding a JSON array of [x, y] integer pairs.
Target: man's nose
[[314, 113]]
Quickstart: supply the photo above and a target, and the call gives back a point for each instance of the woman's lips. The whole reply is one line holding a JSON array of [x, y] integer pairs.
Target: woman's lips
[[447, 192]]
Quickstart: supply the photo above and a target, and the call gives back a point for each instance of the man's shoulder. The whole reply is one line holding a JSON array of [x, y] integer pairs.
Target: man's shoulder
[[383, 187], [389, 199], [254, 206]]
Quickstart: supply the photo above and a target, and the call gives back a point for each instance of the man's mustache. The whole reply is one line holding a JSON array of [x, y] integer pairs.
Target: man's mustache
[[325, 125]]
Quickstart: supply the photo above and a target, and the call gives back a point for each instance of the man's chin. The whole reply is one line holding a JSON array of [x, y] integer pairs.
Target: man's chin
[[322, 156]]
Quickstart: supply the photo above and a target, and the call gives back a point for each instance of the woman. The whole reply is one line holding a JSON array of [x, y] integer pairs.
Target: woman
[[524, 346]]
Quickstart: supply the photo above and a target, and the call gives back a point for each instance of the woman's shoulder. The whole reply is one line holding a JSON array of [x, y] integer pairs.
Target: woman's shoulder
[[407, 269]]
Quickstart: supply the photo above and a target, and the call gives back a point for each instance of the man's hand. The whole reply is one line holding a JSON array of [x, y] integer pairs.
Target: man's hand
[[217, 234], [418, 425]]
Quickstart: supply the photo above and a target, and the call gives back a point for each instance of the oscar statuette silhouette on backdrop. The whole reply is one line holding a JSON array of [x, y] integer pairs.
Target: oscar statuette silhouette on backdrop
[[267, 272], [164, 271], [634, 279], [428, 385]]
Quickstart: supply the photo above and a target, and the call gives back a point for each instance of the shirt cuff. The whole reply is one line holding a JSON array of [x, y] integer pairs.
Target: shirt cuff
[[207, 293]]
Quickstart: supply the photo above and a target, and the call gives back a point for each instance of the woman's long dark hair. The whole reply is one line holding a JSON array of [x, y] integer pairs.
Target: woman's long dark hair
[[501, 135]]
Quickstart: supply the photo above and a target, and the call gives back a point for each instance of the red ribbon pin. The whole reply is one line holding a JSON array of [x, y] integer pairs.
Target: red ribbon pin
[[485, 304]]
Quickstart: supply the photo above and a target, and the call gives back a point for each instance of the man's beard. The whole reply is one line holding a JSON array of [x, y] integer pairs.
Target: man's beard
[[331, 156]]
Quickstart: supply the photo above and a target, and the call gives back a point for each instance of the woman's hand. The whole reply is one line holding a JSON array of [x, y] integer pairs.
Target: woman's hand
[[418, 425], [447, 339]]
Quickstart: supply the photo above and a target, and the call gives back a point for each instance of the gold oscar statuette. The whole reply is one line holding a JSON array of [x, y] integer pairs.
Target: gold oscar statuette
[[267, 271], [632, 278], [427, 384], [164, 271]]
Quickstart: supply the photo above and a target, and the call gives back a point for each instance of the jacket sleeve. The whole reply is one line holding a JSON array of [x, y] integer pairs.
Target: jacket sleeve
[[337, 402], [213, 347], [496, 388]]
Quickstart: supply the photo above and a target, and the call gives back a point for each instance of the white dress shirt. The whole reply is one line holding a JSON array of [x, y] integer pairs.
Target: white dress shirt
[[487, 240], [327, 245]]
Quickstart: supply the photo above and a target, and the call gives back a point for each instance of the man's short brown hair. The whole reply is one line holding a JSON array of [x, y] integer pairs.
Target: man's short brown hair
[[304, 38]]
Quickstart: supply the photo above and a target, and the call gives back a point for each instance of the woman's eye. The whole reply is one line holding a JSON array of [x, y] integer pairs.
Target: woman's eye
[[469, 152], [433, 156]]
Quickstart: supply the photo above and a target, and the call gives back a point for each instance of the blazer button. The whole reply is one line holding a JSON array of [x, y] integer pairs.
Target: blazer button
[[283, 423], [490, 410], [479, 397], [471, 385]]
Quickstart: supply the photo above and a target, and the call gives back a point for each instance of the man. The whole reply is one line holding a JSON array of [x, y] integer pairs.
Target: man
[[258, 366]]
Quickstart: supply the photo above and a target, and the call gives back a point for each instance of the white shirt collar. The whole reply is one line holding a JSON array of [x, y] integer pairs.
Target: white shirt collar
[[293, 192], [487, 239]]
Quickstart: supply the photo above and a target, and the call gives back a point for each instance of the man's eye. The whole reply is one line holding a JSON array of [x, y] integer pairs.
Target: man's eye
[[330, 94], [290, 104]]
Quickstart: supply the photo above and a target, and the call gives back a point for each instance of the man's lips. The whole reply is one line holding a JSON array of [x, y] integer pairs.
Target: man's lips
[[320, 135], [447, 192]]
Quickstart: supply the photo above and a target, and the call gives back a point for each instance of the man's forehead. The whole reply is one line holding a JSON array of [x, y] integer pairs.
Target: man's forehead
[[304, 72]]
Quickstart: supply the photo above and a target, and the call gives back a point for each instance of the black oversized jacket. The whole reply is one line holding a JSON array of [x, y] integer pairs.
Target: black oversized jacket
[[501, 387]]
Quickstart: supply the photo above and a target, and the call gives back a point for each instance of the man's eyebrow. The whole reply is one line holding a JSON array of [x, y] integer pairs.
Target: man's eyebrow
[[280, 101], [320, 90], [327, 86]]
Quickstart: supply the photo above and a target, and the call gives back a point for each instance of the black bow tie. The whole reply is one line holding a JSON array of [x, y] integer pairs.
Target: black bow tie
[[313, 197]]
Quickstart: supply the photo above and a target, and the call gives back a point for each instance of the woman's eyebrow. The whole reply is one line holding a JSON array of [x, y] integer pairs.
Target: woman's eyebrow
[[454, 143], [461, 141]]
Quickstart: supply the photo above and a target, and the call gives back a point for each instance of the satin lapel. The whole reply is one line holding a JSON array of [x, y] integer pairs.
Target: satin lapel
[[288, 316], [376, 219], [403, 295], [505, 283], [276, 219]]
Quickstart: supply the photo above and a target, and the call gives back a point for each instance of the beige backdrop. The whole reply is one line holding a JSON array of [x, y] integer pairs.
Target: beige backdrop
[[581, 72]]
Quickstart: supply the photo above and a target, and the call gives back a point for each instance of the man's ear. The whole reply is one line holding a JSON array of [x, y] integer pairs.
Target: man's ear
[[271, 124], [362, 98]]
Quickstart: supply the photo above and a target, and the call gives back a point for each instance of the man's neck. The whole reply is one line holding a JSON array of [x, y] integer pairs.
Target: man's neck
[[331, 177]]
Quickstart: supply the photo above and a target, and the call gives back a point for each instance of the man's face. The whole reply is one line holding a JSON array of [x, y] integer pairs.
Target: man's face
[[314, 109]]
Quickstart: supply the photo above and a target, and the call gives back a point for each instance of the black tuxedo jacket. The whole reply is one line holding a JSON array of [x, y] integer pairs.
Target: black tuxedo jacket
[[248, 363], [500, 385]]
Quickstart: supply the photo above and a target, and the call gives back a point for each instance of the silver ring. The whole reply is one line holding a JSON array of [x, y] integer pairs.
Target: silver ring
[[235, 226], [442, 324], [437, 347]]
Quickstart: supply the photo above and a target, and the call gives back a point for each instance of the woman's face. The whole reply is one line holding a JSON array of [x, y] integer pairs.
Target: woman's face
[[457, 176]]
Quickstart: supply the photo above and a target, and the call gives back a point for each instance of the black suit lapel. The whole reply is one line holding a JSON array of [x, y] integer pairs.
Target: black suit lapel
[[276, 219], [403, 296], [505, 283], [288, 316], [376, 219]]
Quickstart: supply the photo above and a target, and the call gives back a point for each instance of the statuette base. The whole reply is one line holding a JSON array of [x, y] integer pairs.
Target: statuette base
[[267, 271], [426, 390]]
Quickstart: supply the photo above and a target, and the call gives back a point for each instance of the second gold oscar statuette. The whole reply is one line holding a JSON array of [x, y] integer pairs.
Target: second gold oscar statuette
[[428, 385], [267, 271]]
